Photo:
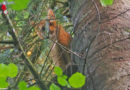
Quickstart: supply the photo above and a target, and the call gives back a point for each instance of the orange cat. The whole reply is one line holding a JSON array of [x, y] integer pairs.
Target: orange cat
[[56, 33]]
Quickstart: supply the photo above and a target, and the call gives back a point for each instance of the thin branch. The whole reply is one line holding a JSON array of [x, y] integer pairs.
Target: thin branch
[[60, 2], [6, 42], [108, 45], [99, 20], [65, 11], [46, 59], [68, 50], [23, 55], [87, 54], [115, 16], [8, 47]]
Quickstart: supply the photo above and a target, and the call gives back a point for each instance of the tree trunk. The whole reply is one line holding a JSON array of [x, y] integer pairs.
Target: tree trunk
[[102, 36]]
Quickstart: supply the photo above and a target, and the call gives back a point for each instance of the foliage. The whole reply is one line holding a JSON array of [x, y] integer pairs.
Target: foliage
[[77, 80], [23, 86], [17, 4], [54, 87], [10, 70], [58, 71], [106, 2]]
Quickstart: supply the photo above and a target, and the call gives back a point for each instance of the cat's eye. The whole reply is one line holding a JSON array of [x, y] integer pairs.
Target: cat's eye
[[51, 24], [43, 28]]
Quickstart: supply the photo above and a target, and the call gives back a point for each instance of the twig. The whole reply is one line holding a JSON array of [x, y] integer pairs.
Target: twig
[[108, 45], [60, 2], [68, 50], [46, 59], [23, 55], [115, 16], [6, 42], [85, 62], [8, 47], [99, 20]]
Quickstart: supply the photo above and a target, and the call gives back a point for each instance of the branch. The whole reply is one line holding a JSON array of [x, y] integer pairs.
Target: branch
[[60, 2], [46, 58], [29, 64], [6, 42], [115, 16], [68, 50], [65, 11], [8, 47]]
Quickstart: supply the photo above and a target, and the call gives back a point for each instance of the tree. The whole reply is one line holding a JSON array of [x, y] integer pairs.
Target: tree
[[102, 37]]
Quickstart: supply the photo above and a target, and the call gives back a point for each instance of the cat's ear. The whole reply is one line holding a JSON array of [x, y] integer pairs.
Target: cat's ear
[[51, 15]]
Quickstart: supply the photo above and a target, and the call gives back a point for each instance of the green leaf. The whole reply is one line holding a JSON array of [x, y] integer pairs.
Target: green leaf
[[13, 70], [3, 70], [16, 18], [3, 83], [20, 23], [62, 81], [34, 88], [26, 15], [58, 71], [1, 1], [67, 84], [77, 80], [54, 87], [106, 2], [64, 76], [22, 85], [19, 4]]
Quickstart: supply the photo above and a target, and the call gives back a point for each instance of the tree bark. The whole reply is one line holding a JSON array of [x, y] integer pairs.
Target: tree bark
[[102, 36]]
